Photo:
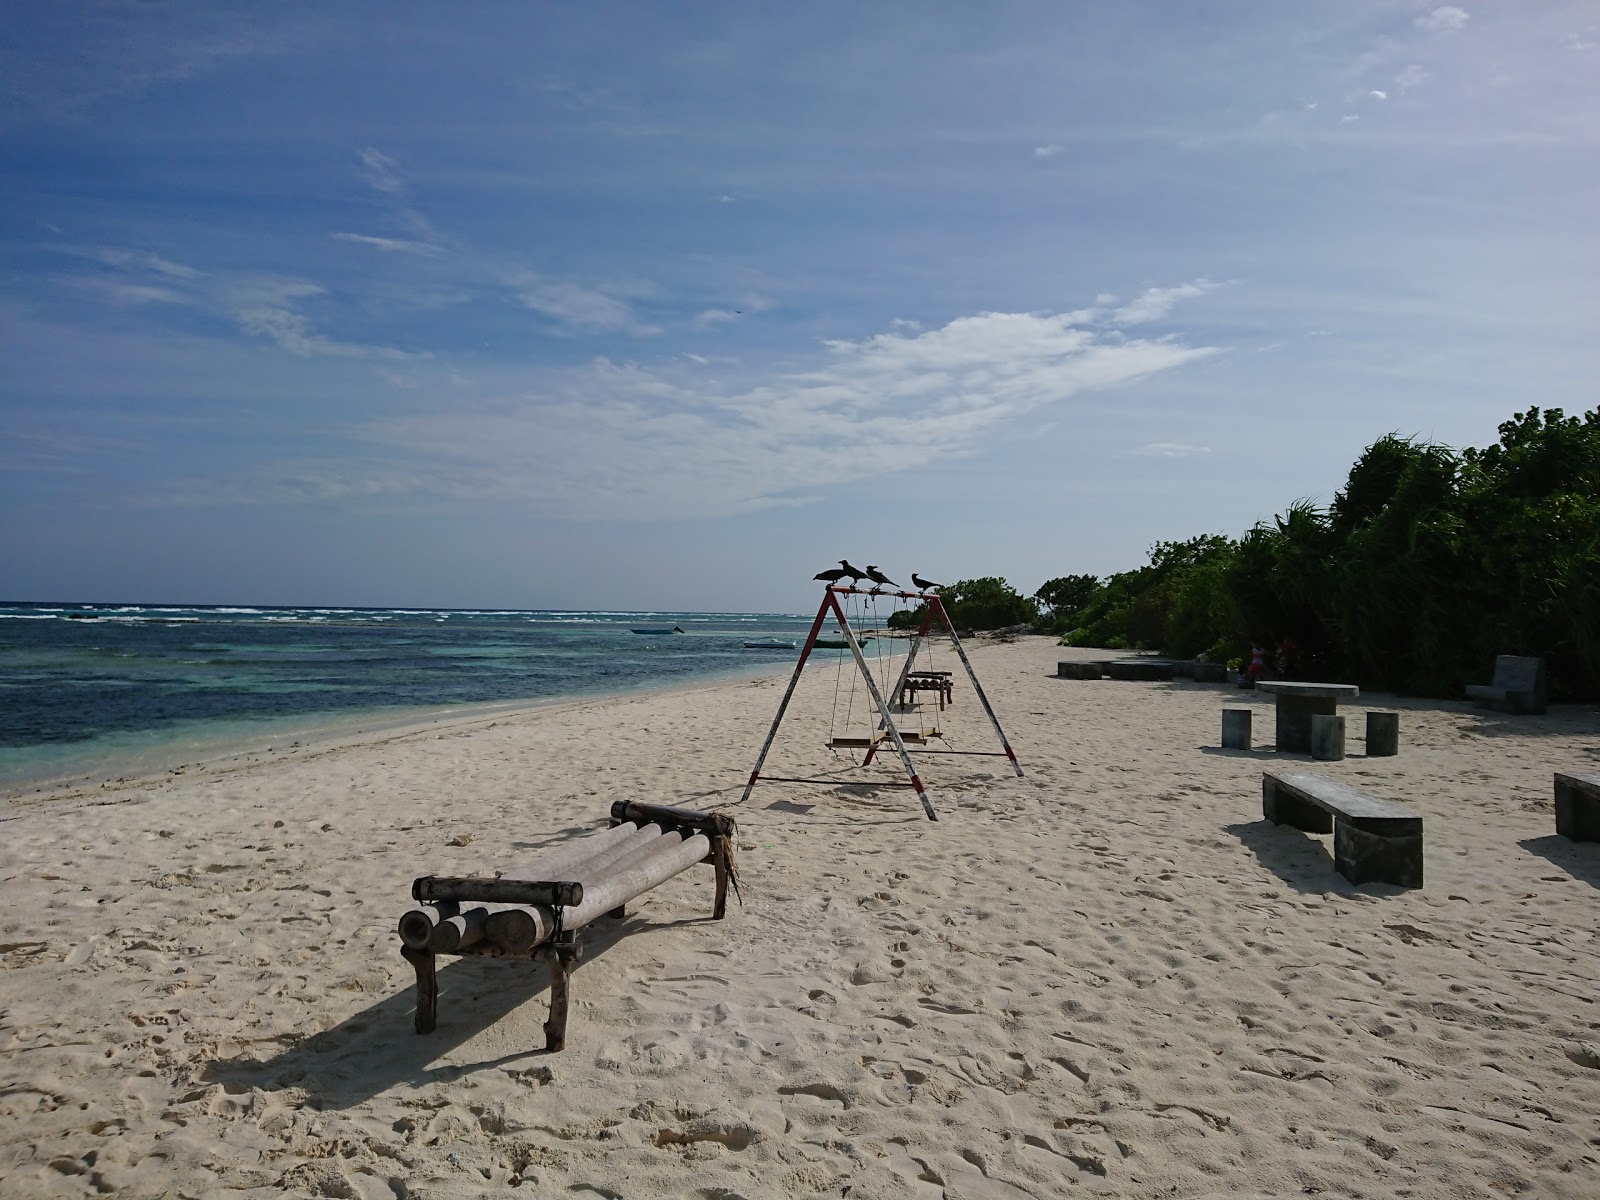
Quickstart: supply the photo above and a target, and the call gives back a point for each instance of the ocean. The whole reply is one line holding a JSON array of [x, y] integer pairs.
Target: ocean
[[105, 691]]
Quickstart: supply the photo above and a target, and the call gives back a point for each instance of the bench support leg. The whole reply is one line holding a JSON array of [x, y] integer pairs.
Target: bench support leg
[[1362, 856], [1283, 808], [719, 859], [427, 987], [1577, 813], [558, 959]]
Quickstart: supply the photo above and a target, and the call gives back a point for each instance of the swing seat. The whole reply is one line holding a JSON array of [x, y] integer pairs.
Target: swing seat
[[856, 743], [917, 739]]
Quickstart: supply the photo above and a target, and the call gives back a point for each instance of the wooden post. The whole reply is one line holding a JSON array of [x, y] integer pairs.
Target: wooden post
[[427, 988], [558, 958], [719, 857]]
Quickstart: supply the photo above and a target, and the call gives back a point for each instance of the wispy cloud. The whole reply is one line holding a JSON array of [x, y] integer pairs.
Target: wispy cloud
[[136, 261], [1447, 18], [390, 245], [1050, 151], [380, 171], [1170, 450], [585, 309], [612, 440], [1157, 303], [268, 308]]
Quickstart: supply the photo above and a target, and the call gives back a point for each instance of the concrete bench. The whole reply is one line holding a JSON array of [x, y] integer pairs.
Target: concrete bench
[[1578, 806], [1372, 839], [1081, 670], [1518, 686]]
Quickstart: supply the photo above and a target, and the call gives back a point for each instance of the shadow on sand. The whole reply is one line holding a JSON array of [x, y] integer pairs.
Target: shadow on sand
[[378, 1048], [1581, 860], [1302, 860]]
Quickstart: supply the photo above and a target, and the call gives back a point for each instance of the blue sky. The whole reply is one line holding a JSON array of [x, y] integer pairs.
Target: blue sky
[[639, 305]]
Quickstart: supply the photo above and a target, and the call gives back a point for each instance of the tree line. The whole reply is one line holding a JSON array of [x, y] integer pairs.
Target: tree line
[[1428, 563]]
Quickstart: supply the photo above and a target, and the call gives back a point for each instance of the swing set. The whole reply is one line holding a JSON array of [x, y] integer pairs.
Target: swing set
[[908, 682]]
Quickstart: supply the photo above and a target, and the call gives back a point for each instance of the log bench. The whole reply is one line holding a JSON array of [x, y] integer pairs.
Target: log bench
[[1578, 806], [941, 682], [1518, 686], [535, 911], [1372, 839]]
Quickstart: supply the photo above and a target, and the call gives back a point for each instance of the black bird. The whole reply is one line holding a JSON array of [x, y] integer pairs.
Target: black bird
[[879, 577], [924, 585], [832, 576], [855, 575]]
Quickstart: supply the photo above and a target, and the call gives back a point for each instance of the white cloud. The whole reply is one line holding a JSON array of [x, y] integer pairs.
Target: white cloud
[[140, 260], [716, 316], [1050, 151], [1411, 76], [1375, 94], [1446, 18], [611, 440], [389, 245], [1349, 119], [267, 308], [584, 309], [1156, 303], [380, 171], [1170, 450]]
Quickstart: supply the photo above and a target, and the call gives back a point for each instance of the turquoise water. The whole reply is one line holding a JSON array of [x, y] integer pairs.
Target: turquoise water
[[101, 690]]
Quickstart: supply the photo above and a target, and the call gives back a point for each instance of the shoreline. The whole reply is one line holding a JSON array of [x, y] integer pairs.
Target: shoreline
[[319, 737]]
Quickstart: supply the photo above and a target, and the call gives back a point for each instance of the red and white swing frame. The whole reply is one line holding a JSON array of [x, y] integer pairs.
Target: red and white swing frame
[[935, 608]]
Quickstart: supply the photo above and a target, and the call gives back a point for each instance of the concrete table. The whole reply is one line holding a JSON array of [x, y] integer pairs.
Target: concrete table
[[1298, 703]]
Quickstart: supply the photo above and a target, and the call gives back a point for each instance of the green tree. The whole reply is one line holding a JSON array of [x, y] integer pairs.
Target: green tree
[[987, 603], [1066, 597]]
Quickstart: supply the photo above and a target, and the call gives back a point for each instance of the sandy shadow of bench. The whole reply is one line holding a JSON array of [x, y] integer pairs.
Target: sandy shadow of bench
[[1581, 860], [1301, 860], [377, 1048]]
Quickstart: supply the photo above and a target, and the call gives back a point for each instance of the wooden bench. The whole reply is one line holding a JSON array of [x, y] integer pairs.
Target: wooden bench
[[928, 681], [1372, 839], [535, 911], [1578, 806], [1518, 686]]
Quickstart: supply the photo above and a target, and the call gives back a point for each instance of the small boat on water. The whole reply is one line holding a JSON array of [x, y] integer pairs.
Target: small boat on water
[[674, 629], [838, 643], [768, 644]]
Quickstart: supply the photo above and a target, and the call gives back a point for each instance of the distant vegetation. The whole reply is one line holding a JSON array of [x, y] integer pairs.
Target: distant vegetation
[[1426, 565]]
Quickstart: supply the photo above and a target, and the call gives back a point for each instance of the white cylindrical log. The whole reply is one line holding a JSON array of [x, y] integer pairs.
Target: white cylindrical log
[[454, 934], [519, 929], [416, 926], [666, 859], [644, 848], [561, 863], [516, 931], [623, 850]]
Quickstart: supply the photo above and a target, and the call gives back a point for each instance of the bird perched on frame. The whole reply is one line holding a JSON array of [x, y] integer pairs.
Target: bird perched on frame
[[832, 576], [878, 577], [925, 585], [856, 576]]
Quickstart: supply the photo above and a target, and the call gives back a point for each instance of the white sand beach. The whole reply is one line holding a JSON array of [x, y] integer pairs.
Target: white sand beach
[[1108, 977]]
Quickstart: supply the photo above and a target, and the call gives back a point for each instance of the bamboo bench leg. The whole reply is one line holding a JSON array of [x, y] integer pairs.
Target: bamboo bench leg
[[719, 858], [427, 987], [558, 959]]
